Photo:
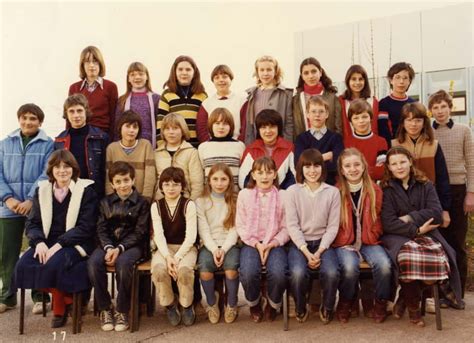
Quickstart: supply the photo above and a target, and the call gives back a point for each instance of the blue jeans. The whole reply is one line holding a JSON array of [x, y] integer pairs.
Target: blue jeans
[[250, 275], [381, 265], [300, 275]]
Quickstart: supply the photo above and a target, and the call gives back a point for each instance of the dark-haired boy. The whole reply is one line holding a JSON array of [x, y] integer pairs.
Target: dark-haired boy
[[400, 75], [24, 155], [123, 231]]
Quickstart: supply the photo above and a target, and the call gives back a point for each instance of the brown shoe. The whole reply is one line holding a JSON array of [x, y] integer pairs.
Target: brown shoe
[[256, 313], [412, 297], [343, 310], [399, 308], [380, 311], [368, 307], [270, 313]]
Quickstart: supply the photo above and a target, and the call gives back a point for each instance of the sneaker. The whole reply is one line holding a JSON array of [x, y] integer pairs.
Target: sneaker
[[188, 316], [107, 320], [38, 308], [213, 312], [174, 317], [4, 307], [302, 317], [430, 305], [256, 312], [325, 315], [231, 314], [121, 322]]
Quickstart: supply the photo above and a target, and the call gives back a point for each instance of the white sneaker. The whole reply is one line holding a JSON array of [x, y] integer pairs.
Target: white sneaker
[[430, 305], [38, 308], [4, 308], [230, 314], [121, 322], [107, 320], [213, 312]]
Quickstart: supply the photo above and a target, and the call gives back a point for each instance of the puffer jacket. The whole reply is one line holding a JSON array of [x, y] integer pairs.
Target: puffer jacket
[[124, 224], [22, 168], [96, 144], [371, 230]]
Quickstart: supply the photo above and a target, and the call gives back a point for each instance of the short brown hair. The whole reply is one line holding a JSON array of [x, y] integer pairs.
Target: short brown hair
[[172, 174], [265, 163], [439, 96], [317, 100], [359, 106], [55, 160], [31, 108], [129, 117], [310, 157], [398, 67], [416, 110], [175, 119], [121, 168], [222, 69], [76, 99], [97, 55], [414, 172], [224, 115]]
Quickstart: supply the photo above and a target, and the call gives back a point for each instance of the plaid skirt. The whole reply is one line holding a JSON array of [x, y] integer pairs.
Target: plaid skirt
[[422, 259]]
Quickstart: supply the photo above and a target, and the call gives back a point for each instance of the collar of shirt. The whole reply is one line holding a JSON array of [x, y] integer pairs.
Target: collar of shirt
[[224, 97], [309, 191], [99, 81], [318, 133], [450, 124]]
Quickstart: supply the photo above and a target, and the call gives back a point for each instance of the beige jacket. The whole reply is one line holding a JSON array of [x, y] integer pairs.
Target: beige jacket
[[186, 158]]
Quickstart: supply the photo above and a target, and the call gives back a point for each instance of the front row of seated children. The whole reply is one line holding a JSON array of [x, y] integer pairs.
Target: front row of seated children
[[331, 229]]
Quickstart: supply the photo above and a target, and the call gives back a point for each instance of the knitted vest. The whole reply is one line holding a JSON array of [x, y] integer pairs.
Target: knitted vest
[[423, 153], [174, 225]]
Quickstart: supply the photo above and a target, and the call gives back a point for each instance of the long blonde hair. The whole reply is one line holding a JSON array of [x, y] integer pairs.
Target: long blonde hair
[[367, 188], [230, 195]]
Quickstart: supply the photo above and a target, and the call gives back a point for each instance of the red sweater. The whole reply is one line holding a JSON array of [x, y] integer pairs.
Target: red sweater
[[371, 231], [346, 125], [371, 147], [102, 103]]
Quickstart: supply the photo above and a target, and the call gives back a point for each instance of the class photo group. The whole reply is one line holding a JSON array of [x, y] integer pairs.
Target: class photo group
[[264, 187]]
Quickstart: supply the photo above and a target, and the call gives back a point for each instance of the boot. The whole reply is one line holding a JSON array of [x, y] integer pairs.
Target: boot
[[343, 310], [412, 296], [399, 307], [380, 311]]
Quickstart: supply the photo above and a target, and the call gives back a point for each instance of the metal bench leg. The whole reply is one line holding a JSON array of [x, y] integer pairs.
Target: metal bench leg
[[43, 300], [74, 314], [22, 311], [285, 310], [437, 307]]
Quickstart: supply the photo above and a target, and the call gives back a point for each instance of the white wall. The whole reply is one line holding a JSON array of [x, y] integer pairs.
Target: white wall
[[41, 42]]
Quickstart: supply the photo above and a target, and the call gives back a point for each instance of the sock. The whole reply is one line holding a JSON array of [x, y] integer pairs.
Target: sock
[[208, 286], [232, 286]]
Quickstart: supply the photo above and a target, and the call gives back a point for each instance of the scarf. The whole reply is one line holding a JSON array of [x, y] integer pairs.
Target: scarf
[[273, 205], [314, 90], [152, 114]]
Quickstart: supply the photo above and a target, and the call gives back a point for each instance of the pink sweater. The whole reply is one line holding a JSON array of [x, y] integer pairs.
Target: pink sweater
[[312, 216], [249, 232]]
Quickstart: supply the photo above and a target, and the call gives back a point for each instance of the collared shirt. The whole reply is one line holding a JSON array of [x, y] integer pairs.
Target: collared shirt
[[449, 124], [264, 216], [93, 86], [318, 133], [309, 191]]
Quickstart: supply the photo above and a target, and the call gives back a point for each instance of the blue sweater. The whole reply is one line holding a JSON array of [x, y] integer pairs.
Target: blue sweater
[[331, 141], [390, 110], [21, 168]]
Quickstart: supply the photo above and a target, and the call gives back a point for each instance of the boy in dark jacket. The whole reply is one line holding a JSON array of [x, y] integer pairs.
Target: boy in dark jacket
[[123, 231]]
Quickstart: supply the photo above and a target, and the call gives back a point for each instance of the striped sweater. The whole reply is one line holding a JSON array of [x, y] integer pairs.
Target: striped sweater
[[228, 152], [142, 159], [187, 106]]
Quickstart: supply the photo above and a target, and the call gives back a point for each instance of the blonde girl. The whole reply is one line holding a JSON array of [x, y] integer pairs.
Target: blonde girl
[[269, 93]]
